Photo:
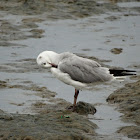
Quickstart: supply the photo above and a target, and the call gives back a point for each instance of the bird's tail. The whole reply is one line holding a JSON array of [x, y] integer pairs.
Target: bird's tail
[[118, 73]]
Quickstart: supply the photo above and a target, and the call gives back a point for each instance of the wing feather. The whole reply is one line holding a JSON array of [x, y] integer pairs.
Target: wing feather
[[84, 70]]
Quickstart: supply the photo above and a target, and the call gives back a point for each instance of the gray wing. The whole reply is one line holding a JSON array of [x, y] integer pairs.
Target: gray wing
[[84, 70]]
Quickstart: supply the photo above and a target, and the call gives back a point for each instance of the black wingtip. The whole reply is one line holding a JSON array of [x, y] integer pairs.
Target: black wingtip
[[122, 72]]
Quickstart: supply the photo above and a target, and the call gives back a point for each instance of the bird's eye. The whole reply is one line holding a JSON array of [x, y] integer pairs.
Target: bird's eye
[[44, 63]]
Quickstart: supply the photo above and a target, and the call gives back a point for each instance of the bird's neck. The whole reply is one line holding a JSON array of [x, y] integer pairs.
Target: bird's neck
[[55, 59]]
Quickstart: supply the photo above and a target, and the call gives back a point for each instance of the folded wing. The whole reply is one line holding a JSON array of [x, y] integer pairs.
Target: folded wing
[[84, 70]]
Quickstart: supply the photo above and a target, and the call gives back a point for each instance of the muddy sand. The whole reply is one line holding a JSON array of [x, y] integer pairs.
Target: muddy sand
[[29, 110], [127, 98]]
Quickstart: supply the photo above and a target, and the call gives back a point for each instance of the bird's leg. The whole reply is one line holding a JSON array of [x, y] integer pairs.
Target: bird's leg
[[75, 98]]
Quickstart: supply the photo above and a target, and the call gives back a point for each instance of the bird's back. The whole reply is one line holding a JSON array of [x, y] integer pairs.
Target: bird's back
[[82, 69]]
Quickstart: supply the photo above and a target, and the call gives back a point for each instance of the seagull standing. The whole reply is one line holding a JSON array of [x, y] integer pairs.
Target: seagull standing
[[77, 71]]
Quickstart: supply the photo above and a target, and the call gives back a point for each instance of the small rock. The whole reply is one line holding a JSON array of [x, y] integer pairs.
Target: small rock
[[40, 31], [28, 138], [3, 84], [85, 108], [116, 50], [112, 18]]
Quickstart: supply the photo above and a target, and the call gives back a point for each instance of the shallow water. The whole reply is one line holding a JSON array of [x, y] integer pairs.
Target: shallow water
[[17, 101], [95, 34], [92, 36], [128, 4]]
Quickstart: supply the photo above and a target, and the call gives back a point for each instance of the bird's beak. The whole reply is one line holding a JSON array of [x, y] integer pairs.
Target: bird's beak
[[53, 65]]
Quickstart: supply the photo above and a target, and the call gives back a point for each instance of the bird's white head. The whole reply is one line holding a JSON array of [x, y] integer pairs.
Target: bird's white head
[[47, 59]]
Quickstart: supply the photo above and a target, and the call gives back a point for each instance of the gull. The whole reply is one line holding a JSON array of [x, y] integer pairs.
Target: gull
[[79, 72]]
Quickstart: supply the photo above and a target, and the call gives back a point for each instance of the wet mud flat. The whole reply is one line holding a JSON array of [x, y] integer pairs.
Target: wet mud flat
[[46, 117], [127, 99], [53, 125], [61, 9], [49, 120]]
